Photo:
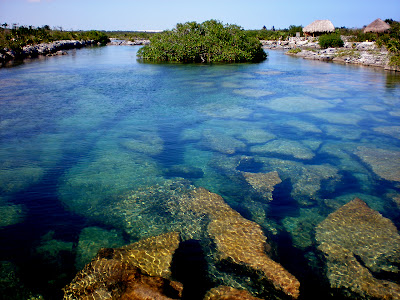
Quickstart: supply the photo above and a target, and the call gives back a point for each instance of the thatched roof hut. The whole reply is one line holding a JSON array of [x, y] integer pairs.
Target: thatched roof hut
[[378, 26], [319, 27]]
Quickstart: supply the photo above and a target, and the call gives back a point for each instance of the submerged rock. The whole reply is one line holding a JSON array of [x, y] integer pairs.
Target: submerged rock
[[91, 240], [393, 131], [263, 183], [10, 214], [184, 171], [218, 141], [254, 93], [384, 163], [285, 147], [257, 136], [306, 179], [304, 126], [228, 293], [226, 111], [298, 104], [240, 241], [360, 246], [137, 271], [338, 118]]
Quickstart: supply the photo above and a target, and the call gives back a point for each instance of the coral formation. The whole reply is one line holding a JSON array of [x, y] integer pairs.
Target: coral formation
[[228, 293], [385, 163], [263, 183], [136, 271], [358, 244]]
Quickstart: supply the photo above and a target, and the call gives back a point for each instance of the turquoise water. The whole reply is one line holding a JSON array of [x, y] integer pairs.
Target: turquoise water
[[80, 132]]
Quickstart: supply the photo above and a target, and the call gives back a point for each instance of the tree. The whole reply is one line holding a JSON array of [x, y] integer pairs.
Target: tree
[[210, 41]]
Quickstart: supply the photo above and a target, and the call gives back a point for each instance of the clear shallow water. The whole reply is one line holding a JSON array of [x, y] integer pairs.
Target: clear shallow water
[[79, 133]]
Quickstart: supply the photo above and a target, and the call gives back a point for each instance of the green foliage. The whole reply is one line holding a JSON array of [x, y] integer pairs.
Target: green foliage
[[332, 40], [18, 37], [130, 35], [395, 60], [294, 29], [294, 50], [210, 41], [264, 34]]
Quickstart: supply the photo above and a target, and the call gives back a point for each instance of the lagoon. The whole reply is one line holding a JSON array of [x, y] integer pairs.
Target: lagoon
[[100, 150]]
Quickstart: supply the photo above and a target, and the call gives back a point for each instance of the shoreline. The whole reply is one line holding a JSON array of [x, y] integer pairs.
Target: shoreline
[[357, 53], [45, 49]]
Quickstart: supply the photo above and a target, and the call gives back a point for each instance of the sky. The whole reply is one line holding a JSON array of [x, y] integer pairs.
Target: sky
[[150, 15]]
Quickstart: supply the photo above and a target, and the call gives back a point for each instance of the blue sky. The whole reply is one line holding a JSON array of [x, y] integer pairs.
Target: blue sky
[[164, 14]]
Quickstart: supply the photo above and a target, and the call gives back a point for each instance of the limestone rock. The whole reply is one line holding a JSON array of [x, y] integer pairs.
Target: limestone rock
[[241, 241], [136, 271], [218, 141], [298, 104], [91, 240], [359, 243], [385, 163], [263, 183], [284, 147], [228, 293]]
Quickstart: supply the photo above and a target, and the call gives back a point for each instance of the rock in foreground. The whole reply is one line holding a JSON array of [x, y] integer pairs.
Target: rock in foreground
[[360, 246], [137, 271]]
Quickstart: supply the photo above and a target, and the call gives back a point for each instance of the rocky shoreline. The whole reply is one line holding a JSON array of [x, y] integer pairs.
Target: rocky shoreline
[[365, 53], [360, 53], [48, 49]]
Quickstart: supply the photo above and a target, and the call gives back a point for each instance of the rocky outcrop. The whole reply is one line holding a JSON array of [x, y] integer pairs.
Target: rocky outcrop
[[228, 293], [361, 249], [385, 163], [361, 55], [138, 42], [240, 241], [263, 183], [49, 49], [137, 271]]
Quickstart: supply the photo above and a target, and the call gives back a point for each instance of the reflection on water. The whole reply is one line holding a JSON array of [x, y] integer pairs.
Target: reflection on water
[[254, 164]]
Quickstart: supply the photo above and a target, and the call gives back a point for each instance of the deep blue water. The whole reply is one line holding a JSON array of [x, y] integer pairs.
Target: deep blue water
[[79, 132]]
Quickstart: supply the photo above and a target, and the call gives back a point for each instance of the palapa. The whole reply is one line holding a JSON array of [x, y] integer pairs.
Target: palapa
[[377, 26], [318, 27]]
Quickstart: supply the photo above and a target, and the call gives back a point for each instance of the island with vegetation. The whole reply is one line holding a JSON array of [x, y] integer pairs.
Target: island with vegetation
[[207, 42]]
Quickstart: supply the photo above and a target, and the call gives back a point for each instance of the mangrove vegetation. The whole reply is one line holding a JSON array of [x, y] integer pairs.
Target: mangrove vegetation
[[207, 42]]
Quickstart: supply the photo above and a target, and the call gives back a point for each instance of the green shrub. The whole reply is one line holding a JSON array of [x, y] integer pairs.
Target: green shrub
[[210, 41], [294, 51], [332, 40]]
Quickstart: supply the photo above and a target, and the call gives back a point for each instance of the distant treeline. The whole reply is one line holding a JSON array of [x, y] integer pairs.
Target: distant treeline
[[16, 37]]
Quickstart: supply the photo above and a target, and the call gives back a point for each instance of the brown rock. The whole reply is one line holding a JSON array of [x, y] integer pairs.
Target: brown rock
[[385, 163], [240, 240], [263, 183], [228, 293], [137, 271], [358, 242]]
